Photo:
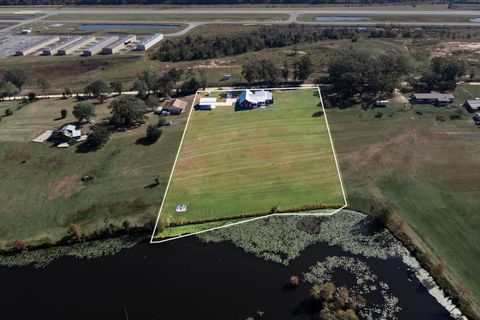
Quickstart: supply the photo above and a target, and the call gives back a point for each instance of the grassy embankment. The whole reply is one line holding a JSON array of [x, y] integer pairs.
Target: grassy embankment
[[391, 18], [240, 163], [426, 168], [41, 191]]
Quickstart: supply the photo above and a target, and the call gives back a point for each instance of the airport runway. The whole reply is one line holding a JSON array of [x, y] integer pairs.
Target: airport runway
[[292, 14]]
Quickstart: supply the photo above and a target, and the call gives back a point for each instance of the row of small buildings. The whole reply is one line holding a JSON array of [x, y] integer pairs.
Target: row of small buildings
[[107, 45], [443, 99], [247, 99]]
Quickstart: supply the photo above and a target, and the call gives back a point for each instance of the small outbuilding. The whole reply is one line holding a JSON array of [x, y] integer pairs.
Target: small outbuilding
[[181, 208], [472, 105], [206, 104]]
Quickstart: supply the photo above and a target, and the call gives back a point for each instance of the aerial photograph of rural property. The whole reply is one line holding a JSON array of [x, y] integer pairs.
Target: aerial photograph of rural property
[[240, 159]]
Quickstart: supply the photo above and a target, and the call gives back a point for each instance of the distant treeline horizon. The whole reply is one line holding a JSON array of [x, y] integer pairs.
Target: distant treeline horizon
[[218, 2]]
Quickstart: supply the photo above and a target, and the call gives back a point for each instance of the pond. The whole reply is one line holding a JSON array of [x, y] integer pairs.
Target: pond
[[101, 27], [190, 278], [341, 19]]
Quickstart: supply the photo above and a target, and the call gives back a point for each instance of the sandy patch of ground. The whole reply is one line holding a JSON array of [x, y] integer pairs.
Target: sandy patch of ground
[[454, 47], [399, 97], [63, 187], [215, 64]]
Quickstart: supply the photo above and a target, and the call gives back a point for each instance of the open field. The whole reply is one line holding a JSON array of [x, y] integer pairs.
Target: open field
[[72, 28], [41, 191], [235, 163], [427, 169]]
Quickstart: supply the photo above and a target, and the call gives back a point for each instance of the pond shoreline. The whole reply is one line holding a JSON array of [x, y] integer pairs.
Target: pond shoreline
[[143, 232], [195, 280]]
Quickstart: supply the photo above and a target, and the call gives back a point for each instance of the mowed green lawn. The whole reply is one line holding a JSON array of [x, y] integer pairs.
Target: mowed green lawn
[[247, 162], [41, 189], [427, 169]]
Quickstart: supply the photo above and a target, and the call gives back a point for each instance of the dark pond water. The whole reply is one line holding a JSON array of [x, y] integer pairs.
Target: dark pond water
[[341, 19], [100, 27], [185, 279]]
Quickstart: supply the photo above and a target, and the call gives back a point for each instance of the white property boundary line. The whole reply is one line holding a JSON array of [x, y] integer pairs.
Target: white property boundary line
[[255, 218]]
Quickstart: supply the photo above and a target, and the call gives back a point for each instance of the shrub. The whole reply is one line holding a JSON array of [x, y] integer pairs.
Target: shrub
[[63, 113], [8, 112], [31, 96], [76, 230], [153, 133]]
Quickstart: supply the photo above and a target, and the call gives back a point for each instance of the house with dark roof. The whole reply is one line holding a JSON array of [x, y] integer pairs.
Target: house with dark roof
[[174, 107], [250, 99], [434, 98], [472, 105]]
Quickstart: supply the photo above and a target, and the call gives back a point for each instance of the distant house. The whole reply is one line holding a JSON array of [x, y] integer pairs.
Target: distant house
[[434, 98], [206, 104], [67, 132], [250, 99], [175, 106], [472, 105]]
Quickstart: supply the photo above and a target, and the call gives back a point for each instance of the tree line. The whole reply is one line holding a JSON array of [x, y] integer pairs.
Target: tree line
[[200, 47], [265, 71]]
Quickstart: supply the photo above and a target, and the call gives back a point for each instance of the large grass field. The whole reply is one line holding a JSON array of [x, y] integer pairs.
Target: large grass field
[[427, 169], [235, 163], [42, 192]]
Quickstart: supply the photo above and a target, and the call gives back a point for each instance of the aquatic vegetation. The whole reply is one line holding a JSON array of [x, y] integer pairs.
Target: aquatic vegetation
[[366, 283], [282, 239], [93, 249]]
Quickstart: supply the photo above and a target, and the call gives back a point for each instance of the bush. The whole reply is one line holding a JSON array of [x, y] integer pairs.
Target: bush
[[31, 96], [153, 133], [8, 112], [161, 121], [456, 115], [63, 113]]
